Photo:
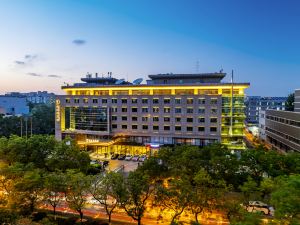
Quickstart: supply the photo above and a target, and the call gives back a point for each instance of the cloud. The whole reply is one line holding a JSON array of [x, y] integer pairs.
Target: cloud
[[35, 74], [19, 62], [79, 42], [27, 59], [54, 76]]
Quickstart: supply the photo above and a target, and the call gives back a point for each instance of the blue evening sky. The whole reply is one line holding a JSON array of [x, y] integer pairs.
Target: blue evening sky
[[44, 43]]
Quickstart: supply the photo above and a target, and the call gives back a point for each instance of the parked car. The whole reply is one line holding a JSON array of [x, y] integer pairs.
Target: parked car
[[104, 163], [135, 158], [258, 206], [142, 158], [128, 157], [121, 157], [114, 156]]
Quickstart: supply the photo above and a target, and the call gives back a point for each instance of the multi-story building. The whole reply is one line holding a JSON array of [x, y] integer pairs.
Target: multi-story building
[[35, 97], [256, 103], [297, 101], [262, 125], [282, 128], [196, 109], [14, 106]]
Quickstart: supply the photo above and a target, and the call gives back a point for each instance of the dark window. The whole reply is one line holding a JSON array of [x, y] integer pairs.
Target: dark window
[[201, 129], [201, 100], [114, 100], [166, 127], [124, 101], [177, 119], [201, 120], [167, 119], [104, 101], [145, 100], [167, 101], [155, 127], [189, 101], [134, 100], [155, 101], [134, 109], [144, 110], [68, 100], [124, 109], [213, 129], [95, 100], [124, 126], [114, 126], [189, 129], [114, 118], [134, 127], [189, 110], [177, 100], [155, 118], [124, 118], [76, 100], [134, 118], [213, 120], [177, 110], [189, 120], [178, 128], [145, 127]]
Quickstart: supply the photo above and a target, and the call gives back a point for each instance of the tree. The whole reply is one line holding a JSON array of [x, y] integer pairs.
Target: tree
[[289, 103], [105, 189], [174, 196], [54, 187], [43, 119], [206, 193], [78, 186], [249, 190], [286, 198], [29, 190], [134, 194]]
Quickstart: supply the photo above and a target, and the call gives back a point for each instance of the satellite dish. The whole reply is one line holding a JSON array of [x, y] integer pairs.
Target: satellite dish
[[120, 81], [138, 81]]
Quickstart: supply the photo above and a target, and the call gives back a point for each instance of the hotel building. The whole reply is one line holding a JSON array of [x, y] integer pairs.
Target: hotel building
[[112, 115]]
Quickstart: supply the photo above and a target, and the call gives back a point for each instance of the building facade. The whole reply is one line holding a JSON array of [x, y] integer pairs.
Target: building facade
[[256, 103], [262, 125], [39, 97], [297, 101], [15, 106], [196, 109]]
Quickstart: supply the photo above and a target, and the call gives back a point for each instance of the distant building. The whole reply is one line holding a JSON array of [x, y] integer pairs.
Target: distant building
[[262, 125], [13, 105], [282, 128], [256, 103], [35, 97]]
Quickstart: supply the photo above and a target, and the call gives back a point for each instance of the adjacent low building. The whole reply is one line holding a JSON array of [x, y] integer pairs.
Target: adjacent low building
[[256, 103], [196, 109], [39, 97], [15, 106], [282, 128]]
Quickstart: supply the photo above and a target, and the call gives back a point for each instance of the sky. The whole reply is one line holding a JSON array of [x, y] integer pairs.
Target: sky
[[44, 43]]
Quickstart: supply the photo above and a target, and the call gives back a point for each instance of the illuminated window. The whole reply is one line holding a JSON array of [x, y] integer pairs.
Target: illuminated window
[[189, 101], [68, 100], [167, 110], [85, 100], [155, 109]]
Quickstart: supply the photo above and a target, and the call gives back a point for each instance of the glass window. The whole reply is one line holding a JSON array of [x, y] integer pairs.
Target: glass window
[[85, 100], [166, 119], [124, 127], [178, 119], [201, 101], [201, 129], [167, 101], [177, 110], [113, 118], [213, 101], [145, 127], [134, 109], [189, 110], [213, 129], [177, 128], [68, 100], [166, 127], [167, 110], [155, 101], [201, 110], [213, 120], [114, 109], [124, 109], [155, 127], [177, 100], [114, 100], [144, 118], [155, 119], [189, 101], [104, 101], [155, 109], [124, 100], [145, 100], [189, 120], [134, 127], [189, 129], [114, 126], [134, 101], [144, 110], [214, 110], [134, 118], [124, 118], [201, 120], [95, 100]]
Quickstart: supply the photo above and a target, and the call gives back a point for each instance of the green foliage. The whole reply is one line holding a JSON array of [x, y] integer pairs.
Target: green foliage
[[286, 198], [289, 103]]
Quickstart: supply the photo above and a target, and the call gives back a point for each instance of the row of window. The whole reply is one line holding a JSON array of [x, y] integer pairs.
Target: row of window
[[283, 135], [165, 119], [165, 128], [213, 101], [165, 110], [284, 120]]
